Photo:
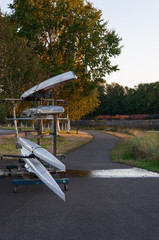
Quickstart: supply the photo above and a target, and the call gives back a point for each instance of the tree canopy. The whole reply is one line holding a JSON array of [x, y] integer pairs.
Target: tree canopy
[[116, 99], [69, 35], [79, 105], [60, 36], [20, 67]]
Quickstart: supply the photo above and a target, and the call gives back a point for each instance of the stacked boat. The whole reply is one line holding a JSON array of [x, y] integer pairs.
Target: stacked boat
[[33, 153], [33, 164]]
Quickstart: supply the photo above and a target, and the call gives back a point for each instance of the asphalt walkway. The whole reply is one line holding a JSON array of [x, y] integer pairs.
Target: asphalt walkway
[[95, 208], [94, 155], [6, 131]]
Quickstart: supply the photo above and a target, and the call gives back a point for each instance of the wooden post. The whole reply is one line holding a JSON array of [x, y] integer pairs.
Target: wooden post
[[15, 121], [39, 127], [68, 123], [77, 127], [58, 126], [55, 126]]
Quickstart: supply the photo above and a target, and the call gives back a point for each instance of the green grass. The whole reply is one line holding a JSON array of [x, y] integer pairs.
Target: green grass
[[137, 147], [65, 142], [7, 128], [144, 146], [140, 151]]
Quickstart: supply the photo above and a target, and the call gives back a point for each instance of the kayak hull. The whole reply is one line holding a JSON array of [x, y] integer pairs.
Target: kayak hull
[[33, 165], [49, 84], [41, 153], [43, 110]]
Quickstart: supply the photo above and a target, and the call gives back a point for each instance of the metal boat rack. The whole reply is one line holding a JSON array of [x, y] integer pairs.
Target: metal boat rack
[[53, 117], [35, 166], [10, 169], [19, 169]]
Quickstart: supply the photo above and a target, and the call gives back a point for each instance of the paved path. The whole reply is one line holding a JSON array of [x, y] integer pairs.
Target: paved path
[[95, 154], [6, 131], [95, 208]]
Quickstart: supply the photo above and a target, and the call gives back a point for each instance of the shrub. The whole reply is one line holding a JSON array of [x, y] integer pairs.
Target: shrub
[[145, 146]]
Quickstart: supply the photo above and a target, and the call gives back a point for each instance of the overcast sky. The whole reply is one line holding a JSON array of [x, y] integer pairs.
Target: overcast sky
[[137, 23]]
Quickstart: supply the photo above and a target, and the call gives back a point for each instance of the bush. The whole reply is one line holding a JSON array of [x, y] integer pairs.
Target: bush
[[145, 146]]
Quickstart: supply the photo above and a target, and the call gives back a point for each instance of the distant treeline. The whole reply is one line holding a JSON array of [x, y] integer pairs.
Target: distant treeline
[[118, 100], [127, 117]]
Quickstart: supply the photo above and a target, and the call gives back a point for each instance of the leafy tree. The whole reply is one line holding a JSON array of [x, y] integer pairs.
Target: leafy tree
[[103, 101], [20, 68], [79, 105], [116, 99], [130, 101], [141, 98], [69, 35], [115, 92], [113, 100], [147, 98]]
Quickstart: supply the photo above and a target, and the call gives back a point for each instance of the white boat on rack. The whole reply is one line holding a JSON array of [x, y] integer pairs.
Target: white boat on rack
[[41, 153], [48, 85], [43, 110], [33, 165]]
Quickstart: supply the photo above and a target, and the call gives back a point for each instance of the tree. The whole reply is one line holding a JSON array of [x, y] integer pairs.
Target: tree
[[69, 36], [114, 99], [79, 105], [20, 68], [147, 98], [104, 107]]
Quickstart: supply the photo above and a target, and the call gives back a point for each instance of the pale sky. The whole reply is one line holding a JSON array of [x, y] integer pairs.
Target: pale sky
[[137, 23]]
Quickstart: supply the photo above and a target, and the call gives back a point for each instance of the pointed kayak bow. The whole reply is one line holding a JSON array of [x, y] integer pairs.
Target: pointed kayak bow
[[48, 85], [41, 153], [41, 172], [43, 110]]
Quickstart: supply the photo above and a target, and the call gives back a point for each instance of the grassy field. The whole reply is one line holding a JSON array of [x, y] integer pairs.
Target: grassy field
[[65, 142], [140, 150], [136, 148]]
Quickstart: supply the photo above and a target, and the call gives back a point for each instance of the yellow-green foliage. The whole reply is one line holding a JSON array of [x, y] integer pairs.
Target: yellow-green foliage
[[79, 105], [144, 146]]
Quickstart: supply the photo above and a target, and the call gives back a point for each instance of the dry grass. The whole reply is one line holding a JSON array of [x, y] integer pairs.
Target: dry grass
[[7, 145], [65, 142], [140, 151], [141, 145], [121, 135], [145, 146], [124, 133], [72, 141]]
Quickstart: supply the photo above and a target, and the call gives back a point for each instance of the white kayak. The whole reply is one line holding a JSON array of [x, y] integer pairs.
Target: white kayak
[[41, 153], [37, 167], [43, 110], [49, 84]]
